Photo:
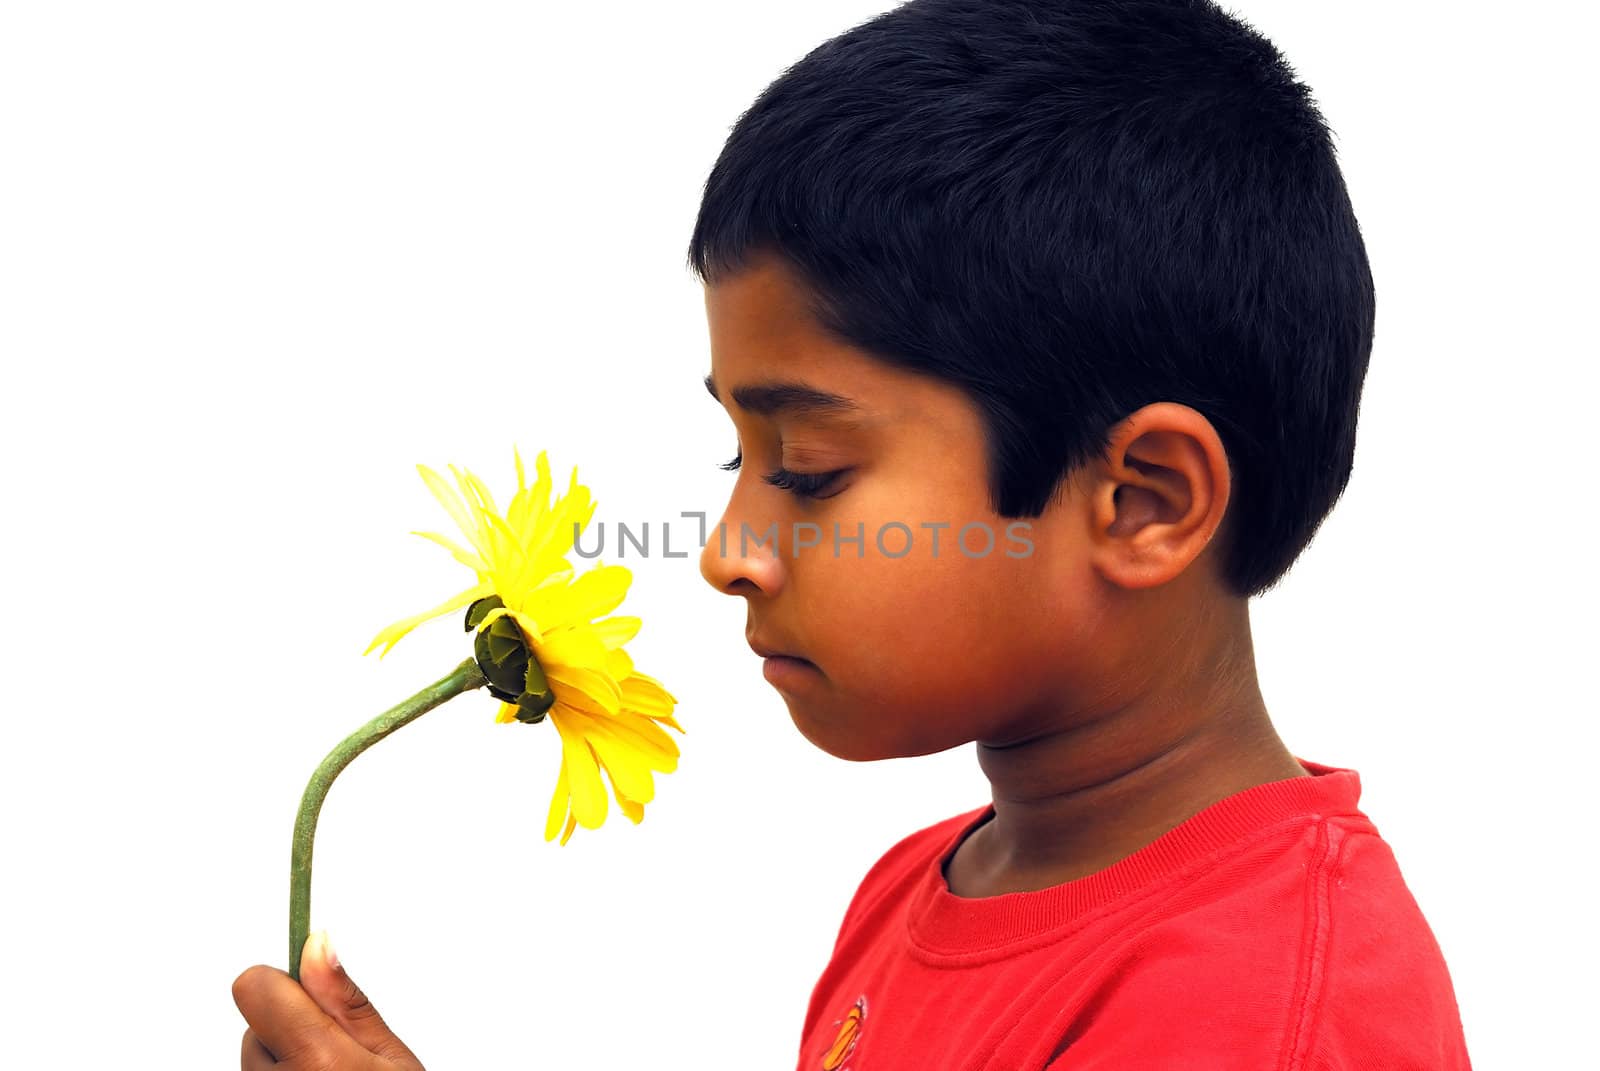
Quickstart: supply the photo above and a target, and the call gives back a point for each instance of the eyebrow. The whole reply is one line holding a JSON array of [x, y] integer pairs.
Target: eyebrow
[[787, 398]]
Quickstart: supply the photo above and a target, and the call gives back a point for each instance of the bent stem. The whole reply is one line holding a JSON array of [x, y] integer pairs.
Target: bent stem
[[463, 678]]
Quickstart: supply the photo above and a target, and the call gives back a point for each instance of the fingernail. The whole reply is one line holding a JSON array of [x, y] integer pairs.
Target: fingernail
[[328, 953]]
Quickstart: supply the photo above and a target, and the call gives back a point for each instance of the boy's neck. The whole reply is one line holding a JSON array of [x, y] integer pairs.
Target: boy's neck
[[1072, 802]]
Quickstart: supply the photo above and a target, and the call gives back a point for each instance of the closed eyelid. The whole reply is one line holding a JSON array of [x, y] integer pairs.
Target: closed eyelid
[[796, 459], [803, 485]]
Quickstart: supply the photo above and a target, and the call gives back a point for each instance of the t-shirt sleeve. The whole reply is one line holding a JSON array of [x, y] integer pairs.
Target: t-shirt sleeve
[[1385, 999], [1367, 988]]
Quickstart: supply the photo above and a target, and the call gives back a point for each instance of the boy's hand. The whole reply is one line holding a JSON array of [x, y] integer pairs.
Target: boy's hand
[[322, 1022]]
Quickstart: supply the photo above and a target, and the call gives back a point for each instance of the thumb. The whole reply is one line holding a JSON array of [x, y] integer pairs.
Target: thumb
[[325, 979]]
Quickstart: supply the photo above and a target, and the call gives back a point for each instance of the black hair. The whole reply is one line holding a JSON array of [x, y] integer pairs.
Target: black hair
[[1071, 209]]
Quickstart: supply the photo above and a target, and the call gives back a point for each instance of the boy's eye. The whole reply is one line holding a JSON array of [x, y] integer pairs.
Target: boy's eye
[[803, 485]]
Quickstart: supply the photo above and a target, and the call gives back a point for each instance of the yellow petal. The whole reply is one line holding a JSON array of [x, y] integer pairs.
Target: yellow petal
[[599, 591], [512, 544], [569, 516], [508, 713], [506, 561], [588, 691], [616, 631], [475, 488], [644, 694], [648, 738], [454, 506], [594, 594], [572, 823], [392, 634], [529, 512], [558, 804], [465, 557], [634, 811], [548, 594], [575, 647], [626, 764], [583, 773], [619, 664], [530, 628], [556, 579], [529, 505], [538, 598], [525, 624]]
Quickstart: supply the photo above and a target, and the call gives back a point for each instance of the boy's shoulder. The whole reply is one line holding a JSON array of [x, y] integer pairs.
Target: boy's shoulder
[[1278, 919], [1310, 945]]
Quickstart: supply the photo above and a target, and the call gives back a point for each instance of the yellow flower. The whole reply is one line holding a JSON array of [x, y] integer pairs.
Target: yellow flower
[[607, 714]]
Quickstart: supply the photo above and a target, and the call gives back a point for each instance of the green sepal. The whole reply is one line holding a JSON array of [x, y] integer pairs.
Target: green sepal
[[502, 655], [533, 706], [499, 694], [480, 610], [511, 672], [533, 679]]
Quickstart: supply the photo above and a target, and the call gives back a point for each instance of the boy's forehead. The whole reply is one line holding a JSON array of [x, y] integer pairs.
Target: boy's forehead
[[762, 309], [830, 384], [771, 356], [764, 285]]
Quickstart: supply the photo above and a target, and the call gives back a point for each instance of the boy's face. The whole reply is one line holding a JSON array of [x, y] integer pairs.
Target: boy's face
[[912, 649]]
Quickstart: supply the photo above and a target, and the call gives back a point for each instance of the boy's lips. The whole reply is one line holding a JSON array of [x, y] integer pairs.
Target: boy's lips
[[766, 650], [784, 671]]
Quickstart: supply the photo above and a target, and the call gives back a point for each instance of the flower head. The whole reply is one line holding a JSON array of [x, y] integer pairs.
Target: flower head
[[542, 649]]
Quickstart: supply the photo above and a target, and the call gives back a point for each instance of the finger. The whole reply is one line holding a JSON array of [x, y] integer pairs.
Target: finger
[[253, 1056], [336, 993], [282, 1014]]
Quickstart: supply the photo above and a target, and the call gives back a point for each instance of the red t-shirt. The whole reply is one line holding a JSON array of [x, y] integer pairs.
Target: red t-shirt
[[1271, 931]]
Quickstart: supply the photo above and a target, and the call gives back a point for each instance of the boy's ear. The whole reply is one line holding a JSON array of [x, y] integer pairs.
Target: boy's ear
[[1159, 495]]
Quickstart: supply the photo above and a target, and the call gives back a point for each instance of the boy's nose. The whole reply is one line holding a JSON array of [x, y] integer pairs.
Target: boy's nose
[[740, 560]]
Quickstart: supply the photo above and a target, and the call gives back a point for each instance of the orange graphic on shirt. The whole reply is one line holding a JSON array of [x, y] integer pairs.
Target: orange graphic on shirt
[[844, 1043]]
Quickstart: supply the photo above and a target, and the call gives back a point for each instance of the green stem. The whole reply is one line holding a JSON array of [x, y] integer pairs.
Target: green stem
[[463, 678]]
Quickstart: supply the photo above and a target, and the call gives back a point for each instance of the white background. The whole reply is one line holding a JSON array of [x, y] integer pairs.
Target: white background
[[256, 261]]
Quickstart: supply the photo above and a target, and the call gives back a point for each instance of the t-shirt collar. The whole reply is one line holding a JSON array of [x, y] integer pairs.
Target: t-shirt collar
[[943, 926]]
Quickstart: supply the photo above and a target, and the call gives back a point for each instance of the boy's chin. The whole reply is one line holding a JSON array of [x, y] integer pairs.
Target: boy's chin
[[836, 739], [847, 741]]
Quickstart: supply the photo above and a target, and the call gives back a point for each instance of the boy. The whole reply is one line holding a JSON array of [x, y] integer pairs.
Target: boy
[[1042, 326]]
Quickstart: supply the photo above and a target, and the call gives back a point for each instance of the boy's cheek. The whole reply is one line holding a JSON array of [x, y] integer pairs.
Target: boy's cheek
[[922, 688]]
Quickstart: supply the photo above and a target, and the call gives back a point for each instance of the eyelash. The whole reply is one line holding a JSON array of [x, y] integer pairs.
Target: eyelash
[[803, 485]]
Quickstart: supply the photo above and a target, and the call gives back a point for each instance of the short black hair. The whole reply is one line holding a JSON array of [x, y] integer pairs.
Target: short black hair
[[1071, 209]]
